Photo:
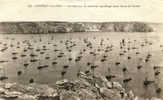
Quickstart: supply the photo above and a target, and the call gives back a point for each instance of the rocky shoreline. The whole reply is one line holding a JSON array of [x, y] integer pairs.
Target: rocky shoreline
[[86, 87]]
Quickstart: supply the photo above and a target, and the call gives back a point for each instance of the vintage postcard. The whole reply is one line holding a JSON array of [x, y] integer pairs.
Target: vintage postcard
[[81, 50]]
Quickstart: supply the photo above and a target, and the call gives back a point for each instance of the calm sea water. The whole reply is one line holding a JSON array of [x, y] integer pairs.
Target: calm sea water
[[52, 73]]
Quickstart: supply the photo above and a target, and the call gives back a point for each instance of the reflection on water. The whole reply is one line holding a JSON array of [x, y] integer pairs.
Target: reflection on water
[[46, 58]]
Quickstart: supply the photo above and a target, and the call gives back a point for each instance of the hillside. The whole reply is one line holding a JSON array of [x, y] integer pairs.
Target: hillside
[[67, 27]]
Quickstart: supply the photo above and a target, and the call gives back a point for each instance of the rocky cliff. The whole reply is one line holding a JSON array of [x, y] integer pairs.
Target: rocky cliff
[[67, 27], [86, 87]]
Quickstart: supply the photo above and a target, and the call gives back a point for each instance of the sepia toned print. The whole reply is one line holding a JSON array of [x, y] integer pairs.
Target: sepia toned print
[[110, 60], [114, 54]]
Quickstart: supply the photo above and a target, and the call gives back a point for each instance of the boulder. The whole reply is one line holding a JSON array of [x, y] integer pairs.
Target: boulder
[[110, 94], [117, 86]]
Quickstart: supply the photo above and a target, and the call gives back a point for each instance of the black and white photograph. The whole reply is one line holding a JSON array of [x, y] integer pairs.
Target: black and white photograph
[[82, 57]]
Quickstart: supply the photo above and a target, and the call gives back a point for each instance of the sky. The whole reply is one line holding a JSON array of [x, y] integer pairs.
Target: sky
[[14, 10]]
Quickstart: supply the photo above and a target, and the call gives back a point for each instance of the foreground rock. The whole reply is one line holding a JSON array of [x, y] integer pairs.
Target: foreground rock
[[87, 87]]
